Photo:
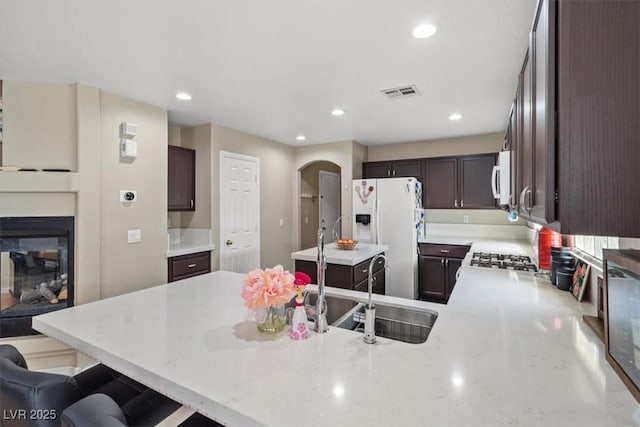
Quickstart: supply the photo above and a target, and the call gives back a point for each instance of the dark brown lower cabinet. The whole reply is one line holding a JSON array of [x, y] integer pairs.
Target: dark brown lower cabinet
[[432, 278], [348, 277], [184, 266], [438, 266]]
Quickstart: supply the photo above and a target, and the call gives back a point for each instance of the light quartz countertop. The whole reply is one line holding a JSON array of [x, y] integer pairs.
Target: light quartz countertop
[[508, 349], [185, 241], [362, 252]]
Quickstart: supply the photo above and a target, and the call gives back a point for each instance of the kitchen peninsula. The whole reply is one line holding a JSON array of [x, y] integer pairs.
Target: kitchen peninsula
[[508, 349]]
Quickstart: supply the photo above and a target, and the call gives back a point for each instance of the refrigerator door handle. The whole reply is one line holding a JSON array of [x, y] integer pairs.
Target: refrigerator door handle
[[494, 183], [377, 220]]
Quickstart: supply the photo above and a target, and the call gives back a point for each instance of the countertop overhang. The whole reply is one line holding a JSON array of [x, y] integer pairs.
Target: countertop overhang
[[361, 252], [508, 349]]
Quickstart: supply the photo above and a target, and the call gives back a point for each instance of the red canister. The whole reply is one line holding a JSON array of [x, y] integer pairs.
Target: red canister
[[546, 239]]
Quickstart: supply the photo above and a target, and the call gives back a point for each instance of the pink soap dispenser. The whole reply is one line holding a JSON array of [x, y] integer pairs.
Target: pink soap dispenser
[[299, 326]]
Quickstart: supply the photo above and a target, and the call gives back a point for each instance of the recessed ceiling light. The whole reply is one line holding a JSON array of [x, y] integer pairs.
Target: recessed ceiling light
[[337, 112], [301, 137], [455, 116], [183, 96], [423, 31]]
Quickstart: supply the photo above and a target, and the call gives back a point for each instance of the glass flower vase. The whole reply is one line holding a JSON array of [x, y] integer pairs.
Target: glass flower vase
[[273, 320]]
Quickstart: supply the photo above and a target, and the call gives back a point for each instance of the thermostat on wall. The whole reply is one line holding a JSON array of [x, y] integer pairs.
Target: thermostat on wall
[[128, 130], [128, 148]]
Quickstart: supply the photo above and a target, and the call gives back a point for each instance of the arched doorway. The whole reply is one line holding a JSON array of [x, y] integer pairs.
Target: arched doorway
[[319, 201]]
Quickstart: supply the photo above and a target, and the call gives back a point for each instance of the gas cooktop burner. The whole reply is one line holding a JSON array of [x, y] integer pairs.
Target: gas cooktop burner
[[503, 261]]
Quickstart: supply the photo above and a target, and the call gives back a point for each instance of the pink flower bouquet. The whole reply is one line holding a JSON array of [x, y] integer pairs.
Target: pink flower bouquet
[[272, 287]]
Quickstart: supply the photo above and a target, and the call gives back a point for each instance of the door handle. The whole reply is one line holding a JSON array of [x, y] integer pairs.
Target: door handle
[[191, 203], [229, 242], [442, 262], [455, 203], [461, 203], [523, 196]]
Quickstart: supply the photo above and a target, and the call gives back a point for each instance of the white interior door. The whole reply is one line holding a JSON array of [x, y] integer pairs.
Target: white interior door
[[239, 212], [329, 191]]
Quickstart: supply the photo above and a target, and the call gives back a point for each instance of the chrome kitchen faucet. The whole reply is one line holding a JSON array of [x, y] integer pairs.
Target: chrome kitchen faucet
[[321, 305], [370, 309]]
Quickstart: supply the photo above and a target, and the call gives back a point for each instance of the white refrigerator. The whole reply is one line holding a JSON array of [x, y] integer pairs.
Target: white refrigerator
[[389, 211]]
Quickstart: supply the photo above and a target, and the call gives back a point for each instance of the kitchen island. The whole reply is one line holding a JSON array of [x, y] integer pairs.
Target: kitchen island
[[508, 349], [347, 269]]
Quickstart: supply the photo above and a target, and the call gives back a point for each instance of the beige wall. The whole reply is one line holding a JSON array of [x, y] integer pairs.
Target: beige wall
[[199, 139], [474, 216], [490, 143], [276, 188], [39, 125], [359, 156], [129, 267], [106, 265], [309, 208], [174, 219], [342, 154]]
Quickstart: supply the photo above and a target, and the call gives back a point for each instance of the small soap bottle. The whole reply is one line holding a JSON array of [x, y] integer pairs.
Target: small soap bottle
[[299, 327]]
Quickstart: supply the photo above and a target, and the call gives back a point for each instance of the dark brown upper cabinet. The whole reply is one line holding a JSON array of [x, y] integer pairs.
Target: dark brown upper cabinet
[[577, 127], [475, 173], [459, 182], [393, 169], [441, 183], [182, 179], [542, 200]]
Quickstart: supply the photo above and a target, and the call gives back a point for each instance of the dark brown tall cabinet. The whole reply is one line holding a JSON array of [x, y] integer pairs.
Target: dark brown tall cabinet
[[182, 179], [576, 137]]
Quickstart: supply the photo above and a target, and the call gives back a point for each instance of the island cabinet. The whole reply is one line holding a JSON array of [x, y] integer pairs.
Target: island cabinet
[[438, 266], [181, 193], [576, 128], [185, 266], [460, 182], [347, 276]]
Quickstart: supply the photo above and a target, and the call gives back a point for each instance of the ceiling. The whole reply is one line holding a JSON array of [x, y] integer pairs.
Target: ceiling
[[277, 68]]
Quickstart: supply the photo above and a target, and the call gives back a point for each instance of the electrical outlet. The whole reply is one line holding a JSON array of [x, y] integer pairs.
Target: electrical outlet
[[465, 219], [134, 236]]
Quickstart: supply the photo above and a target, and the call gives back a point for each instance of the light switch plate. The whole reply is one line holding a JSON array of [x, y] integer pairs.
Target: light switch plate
[[134, 236]]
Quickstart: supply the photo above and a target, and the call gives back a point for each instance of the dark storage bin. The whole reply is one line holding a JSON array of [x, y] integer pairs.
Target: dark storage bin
[[558, 261], [564, 277]]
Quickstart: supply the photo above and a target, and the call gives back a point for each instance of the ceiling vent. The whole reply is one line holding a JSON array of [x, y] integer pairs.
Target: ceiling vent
[[401, 92]]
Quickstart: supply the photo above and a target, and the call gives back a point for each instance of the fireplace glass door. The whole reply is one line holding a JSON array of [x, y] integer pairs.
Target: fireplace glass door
[[36, 270]]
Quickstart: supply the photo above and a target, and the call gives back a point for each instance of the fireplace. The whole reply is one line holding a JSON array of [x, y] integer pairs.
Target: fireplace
[[36, 270]]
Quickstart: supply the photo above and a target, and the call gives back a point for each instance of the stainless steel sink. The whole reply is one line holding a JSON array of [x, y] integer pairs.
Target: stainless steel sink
[[400, 324], [396, 323], [336, 307]]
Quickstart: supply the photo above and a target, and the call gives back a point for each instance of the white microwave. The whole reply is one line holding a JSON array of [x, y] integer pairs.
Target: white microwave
[[501, 178]]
